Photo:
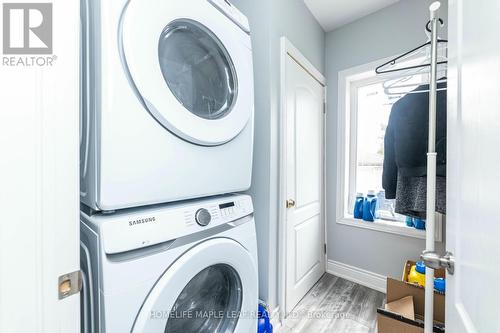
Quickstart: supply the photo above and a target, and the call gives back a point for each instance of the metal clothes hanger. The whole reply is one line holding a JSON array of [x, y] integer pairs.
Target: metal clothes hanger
[[396, 88], [399, 86], [388, 67]]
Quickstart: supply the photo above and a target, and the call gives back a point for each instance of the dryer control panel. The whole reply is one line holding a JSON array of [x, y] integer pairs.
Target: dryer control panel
[[138, 228]]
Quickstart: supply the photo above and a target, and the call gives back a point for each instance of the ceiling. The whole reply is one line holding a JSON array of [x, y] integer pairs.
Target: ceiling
[[332, 14]]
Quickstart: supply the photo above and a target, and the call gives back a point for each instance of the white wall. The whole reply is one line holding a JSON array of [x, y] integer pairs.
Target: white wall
[[388, 32], [269, 20]]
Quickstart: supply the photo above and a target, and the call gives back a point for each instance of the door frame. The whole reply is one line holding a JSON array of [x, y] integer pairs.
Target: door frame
[[288, 49]]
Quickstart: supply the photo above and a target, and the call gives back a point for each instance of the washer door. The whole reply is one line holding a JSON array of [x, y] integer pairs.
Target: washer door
[[211, 288], [189, 67]]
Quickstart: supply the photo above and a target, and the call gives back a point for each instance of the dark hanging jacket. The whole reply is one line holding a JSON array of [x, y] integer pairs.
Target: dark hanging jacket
[[406, 138]]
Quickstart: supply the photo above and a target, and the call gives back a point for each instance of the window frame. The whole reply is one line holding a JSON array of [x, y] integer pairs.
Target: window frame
[[349, 81]]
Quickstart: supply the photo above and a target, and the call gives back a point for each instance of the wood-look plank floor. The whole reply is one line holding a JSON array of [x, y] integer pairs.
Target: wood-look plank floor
[[335, 305]]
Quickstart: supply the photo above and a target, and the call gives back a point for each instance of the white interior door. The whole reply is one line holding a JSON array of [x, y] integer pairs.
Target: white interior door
[[39, 195], [473, 221], [304, 145]]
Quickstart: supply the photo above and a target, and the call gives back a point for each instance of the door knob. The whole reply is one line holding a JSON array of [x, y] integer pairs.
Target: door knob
[[435, 261], [290, 203]]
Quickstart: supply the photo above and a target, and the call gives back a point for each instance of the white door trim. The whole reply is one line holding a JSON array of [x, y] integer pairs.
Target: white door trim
[[288, 49]]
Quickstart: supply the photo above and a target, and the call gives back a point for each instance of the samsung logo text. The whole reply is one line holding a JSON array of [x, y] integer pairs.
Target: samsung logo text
[[141, 221]]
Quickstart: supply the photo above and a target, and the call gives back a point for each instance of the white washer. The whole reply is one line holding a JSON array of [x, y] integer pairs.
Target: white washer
[[185, 267], [167, 101]]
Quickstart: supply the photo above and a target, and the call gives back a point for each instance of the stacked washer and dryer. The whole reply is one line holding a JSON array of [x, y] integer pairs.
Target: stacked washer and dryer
[[166, 136]]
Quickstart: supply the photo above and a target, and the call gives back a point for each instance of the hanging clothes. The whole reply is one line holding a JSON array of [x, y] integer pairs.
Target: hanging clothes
[[411, 196], [405, 152]]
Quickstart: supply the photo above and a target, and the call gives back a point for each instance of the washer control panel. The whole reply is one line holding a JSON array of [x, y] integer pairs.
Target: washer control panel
[[232, 210], [125, 231], [227, 209], [220, 212]]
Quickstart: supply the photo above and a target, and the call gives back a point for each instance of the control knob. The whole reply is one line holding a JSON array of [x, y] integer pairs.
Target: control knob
[[203, 217]]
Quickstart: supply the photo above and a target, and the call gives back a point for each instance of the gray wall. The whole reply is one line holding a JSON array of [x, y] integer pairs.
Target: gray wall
[[258, 13], [269, 20], [388, 32]]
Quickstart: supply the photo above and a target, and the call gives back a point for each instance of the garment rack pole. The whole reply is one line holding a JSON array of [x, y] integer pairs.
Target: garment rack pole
[[431, 171]]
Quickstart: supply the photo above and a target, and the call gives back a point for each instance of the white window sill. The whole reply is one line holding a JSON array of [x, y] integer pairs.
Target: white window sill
[[392, 227]]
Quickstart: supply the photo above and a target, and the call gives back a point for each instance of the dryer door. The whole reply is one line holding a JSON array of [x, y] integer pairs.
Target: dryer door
[[191, 67], [211, 288]]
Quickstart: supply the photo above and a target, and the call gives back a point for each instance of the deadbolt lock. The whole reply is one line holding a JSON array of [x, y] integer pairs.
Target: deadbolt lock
[[290, 203]]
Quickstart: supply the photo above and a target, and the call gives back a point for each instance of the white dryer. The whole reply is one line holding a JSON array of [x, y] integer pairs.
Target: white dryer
[[167, 101], [187, 267]]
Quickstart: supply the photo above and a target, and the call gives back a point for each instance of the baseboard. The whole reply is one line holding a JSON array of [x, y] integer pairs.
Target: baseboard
[[358, 275]]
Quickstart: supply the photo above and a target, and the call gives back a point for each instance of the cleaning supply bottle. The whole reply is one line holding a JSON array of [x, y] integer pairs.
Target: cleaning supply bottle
[[418, 223], [382, 203], [358, 206], [264, 322], [409, 221], [440, 285], [370, 207], [417, 274]]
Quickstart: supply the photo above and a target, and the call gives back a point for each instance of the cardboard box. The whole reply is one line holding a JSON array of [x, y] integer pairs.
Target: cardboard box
[[403, 306], [393, 322]]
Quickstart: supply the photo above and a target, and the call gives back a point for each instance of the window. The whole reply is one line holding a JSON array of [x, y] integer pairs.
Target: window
[[365, 102], [372, 107]]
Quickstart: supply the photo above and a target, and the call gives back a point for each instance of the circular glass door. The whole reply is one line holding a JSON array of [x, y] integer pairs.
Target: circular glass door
[[190, 67], [198, 69], [213, 287], [210, 302]]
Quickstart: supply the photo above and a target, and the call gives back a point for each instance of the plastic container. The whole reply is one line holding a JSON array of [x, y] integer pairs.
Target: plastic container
[[420, 267], [358, 206], [409, 221], [381, 203], [417, 274], [418, 223], [370, 207], [440, 285], [263, 322]]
